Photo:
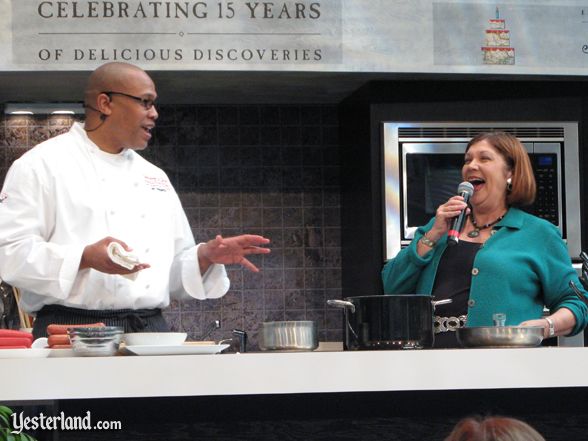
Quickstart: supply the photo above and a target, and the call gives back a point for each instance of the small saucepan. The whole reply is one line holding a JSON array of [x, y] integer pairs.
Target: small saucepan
[[293, 335], [500, 336], [400, 321]]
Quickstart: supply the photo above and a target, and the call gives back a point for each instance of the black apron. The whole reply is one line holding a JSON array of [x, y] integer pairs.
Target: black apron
[[131, 320]]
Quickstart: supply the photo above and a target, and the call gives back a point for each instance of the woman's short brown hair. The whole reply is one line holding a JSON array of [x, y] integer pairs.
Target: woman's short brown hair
[[493, 429], [523, 180]]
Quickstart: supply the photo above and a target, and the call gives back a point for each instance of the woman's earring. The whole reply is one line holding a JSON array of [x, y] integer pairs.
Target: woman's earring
[[509, 185]]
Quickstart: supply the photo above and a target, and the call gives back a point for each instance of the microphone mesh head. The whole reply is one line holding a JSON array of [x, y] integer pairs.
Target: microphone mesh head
[[465, 187]]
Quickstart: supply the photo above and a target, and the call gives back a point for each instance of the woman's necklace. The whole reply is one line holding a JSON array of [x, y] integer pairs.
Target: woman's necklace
[[476, 231]]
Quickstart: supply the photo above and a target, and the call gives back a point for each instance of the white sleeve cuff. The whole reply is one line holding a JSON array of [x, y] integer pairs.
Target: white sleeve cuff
[[69, 269], [213, 284]]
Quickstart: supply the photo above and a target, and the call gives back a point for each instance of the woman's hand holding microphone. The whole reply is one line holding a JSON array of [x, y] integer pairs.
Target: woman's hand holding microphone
[[443, 217]]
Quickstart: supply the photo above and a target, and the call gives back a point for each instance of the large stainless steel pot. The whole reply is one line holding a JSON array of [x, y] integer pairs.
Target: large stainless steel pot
[[297, 335], [402, 321]]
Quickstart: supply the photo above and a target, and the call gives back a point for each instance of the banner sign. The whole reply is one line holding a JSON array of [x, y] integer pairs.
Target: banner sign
[[175, 33], [538, 37], [514, 34]]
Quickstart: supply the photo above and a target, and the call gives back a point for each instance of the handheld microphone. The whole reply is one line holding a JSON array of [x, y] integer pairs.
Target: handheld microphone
[[466, 190]]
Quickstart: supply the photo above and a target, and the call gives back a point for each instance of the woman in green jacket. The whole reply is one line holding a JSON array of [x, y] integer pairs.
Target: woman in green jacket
[[506, 261]]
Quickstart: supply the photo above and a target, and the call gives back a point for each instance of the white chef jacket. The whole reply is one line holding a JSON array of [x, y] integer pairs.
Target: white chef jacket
[[65, 194]]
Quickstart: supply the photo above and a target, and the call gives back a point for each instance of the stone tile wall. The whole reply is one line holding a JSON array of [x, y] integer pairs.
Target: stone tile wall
[[271, 170]]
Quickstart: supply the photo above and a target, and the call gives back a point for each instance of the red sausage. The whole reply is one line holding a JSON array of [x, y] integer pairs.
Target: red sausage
[[54, 328], [15, 333], [58, 339], [15, 341]]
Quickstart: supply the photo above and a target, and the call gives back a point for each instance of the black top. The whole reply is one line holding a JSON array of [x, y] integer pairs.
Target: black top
[[453, 281]]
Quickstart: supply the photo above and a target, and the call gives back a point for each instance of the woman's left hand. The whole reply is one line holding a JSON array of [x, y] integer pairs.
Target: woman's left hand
[[540, 323], [563, 320]]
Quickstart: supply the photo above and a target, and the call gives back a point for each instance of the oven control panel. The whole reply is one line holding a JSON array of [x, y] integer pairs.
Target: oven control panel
[[547, 201]]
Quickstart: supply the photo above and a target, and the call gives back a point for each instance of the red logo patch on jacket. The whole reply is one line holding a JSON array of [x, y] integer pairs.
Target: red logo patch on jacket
[[157, 183]]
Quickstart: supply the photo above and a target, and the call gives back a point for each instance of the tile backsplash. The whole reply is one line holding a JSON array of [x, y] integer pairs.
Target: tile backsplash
[[261, 169]]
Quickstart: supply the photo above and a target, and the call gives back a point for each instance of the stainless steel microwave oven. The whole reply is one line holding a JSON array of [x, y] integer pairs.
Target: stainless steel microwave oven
[[422, 169]]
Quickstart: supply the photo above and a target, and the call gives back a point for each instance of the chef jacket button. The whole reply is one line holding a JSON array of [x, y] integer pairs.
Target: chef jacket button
[[146, 250], [112, 212], [143, 216], [136, 184], [147, 286], [475, 271], [471, 303]]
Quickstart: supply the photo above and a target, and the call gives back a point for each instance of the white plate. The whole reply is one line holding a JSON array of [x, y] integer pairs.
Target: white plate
[[24, 353], [176, 350], [65, 352]]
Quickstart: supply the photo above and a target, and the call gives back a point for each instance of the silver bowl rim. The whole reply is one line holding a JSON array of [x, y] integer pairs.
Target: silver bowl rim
[[290, 322]]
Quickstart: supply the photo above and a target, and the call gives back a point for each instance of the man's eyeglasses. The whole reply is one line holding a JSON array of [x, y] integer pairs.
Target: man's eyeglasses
[[147, 103]]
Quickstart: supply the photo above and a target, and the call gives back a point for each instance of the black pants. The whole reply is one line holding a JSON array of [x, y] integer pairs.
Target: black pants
[[131, 320]]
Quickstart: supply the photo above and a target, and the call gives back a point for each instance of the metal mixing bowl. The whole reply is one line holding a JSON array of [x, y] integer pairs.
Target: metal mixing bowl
[[500, 336], [95, 342]]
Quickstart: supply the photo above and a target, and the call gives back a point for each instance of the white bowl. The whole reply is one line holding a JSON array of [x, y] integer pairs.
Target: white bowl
[[40, 343], [154, 338]]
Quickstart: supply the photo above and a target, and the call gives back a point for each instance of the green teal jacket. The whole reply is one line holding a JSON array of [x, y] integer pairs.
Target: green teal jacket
[[523, 266]]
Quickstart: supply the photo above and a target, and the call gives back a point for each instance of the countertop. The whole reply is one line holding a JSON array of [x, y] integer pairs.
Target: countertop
[[291, 373]]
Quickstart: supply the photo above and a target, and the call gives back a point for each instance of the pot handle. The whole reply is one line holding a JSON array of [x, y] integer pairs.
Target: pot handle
[[440, 302], [341, 304]]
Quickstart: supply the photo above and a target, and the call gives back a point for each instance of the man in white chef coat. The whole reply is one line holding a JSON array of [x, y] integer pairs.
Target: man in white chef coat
[[78, 208]]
